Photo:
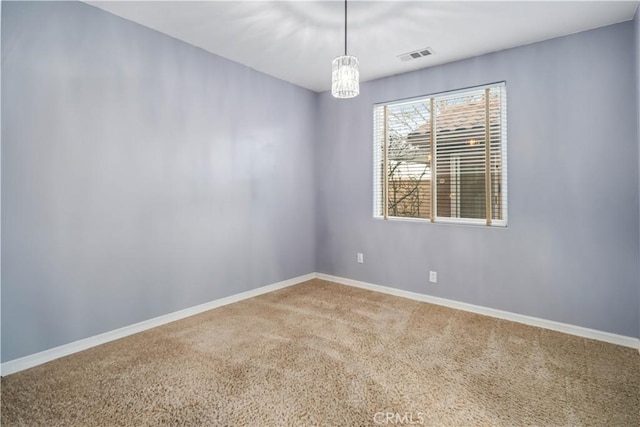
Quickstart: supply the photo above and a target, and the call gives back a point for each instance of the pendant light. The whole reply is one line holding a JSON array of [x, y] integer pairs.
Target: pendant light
[[345, 76]]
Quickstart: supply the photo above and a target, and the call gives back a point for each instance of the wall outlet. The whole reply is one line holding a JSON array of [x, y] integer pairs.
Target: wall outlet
[[360, 258], [433, 277]]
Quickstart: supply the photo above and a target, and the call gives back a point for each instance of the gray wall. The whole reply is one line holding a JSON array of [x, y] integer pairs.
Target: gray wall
[[140, 176], [636, 27], [570, 252]]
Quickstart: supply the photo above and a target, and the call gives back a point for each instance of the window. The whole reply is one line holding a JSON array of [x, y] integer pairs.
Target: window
[[443, 158]]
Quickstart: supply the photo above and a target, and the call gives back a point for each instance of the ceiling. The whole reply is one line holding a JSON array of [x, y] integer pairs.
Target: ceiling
[[296, 40]]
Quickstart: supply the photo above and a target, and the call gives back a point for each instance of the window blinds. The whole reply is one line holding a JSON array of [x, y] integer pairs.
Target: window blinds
[[442, 158]]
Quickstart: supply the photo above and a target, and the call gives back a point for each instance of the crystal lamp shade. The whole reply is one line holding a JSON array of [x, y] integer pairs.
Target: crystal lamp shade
[[345, 77]]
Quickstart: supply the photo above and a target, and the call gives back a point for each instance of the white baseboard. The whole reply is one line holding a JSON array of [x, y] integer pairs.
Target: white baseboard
[[35, 359], [32, 360], [506, 315]]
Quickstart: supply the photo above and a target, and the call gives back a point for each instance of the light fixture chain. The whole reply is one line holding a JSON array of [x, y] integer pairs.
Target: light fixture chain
[[345, 27]]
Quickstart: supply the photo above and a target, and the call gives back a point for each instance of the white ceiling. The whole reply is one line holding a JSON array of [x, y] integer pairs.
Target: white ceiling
[[296, 40]]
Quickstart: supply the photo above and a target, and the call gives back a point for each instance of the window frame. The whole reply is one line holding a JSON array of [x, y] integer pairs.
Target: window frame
[[378, 205]]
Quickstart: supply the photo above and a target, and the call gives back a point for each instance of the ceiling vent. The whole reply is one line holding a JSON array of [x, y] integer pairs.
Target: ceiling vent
[[420, 53]]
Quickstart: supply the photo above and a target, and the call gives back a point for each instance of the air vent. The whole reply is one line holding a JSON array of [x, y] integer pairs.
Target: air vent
[[420, 53]]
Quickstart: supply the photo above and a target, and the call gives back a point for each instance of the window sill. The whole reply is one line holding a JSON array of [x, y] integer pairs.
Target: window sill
[[447, 221]]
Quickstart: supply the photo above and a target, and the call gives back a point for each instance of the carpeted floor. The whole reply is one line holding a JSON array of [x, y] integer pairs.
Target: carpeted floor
[[320, 353]]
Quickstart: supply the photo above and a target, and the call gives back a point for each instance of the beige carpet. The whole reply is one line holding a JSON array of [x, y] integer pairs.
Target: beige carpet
[[320, 353]]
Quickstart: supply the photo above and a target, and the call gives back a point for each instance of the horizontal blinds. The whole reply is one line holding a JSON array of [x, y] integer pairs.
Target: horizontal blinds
[[469, 129], [498, 114], [378, 164], [460, 155], [408, 169]]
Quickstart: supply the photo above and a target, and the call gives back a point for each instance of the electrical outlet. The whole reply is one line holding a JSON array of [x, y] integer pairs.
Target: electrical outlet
[[433, 277], [360, 258]]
